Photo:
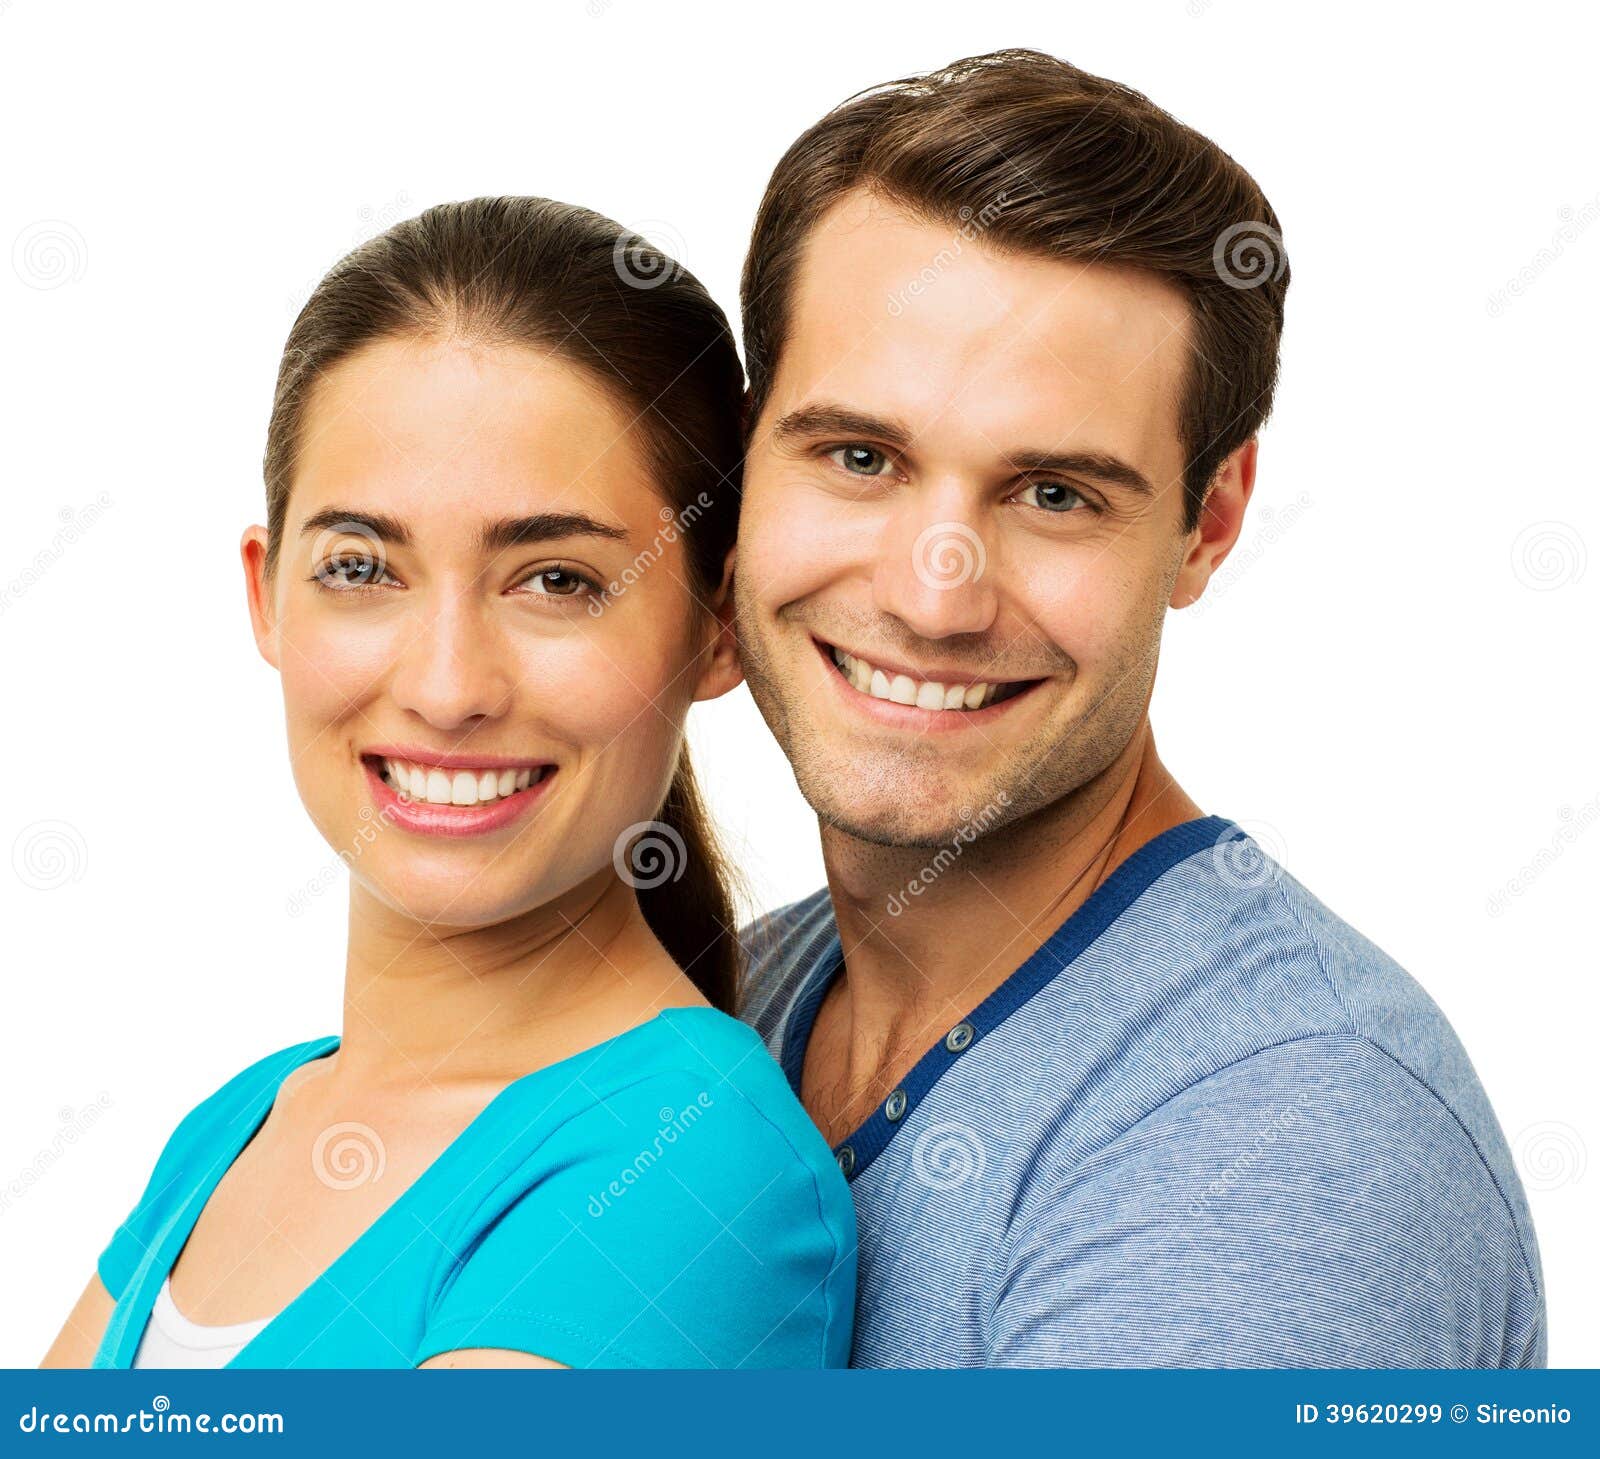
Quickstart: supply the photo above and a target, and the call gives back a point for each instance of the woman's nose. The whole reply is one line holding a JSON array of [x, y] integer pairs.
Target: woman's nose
[[452, 668]]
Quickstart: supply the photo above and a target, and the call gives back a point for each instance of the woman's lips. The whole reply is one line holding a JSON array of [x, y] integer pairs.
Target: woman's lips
[[426, 818]]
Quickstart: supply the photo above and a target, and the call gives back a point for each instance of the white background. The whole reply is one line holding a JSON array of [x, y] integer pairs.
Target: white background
[[1393, 684]]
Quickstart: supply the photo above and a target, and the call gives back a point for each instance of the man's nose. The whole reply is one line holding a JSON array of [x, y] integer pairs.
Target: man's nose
[[453, 668], [935, 570]]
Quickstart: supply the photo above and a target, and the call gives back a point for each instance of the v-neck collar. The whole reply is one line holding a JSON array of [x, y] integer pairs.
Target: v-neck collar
[[130, 1318], [1104, 905]]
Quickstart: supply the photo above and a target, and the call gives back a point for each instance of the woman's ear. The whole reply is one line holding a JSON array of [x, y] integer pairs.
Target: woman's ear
[[253, 553], [720, 669]]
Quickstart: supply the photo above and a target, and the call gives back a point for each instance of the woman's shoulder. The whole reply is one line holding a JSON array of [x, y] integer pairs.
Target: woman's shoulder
[[191, 1146], [699, 1061], [680, 1210], [252, 1087]]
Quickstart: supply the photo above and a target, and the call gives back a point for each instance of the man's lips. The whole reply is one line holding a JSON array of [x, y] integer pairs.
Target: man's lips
[[934, 695]]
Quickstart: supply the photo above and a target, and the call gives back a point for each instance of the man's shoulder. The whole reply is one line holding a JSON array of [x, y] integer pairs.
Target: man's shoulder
[[1237, 1013], [780, 950], [1321, 1182]]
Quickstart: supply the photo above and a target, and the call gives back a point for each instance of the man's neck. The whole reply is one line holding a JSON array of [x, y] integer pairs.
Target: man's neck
[[911, 974]]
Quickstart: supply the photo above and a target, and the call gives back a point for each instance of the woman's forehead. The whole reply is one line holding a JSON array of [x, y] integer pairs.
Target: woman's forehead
[[451, 432]]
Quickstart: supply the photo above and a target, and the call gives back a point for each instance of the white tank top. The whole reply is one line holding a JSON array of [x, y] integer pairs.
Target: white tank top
[[170, 1340]]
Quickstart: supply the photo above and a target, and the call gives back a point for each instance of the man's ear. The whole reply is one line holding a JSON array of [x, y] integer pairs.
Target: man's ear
[[253, 553], [720, 670], [1221, 521]]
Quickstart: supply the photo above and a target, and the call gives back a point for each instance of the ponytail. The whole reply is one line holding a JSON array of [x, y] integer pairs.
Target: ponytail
[[685, 886]]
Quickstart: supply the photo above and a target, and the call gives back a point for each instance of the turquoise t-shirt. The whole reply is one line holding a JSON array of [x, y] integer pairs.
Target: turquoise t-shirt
[[661, 1200]]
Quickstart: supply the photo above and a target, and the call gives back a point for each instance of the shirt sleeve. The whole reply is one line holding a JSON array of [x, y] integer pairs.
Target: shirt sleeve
[[670, 1225], [1314, 1205]]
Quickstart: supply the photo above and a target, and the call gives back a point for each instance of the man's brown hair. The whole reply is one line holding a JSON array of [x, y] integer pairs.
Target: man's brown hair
[[1038, 157]]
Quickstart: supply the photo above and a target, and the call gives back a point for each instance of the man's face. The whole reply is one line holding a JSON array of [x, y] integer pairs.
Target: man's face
[[962, 524]]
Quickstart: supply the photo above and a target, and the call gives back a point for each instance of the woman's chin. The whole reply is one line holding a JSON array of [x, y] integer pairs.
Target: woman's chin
[[449, 901]]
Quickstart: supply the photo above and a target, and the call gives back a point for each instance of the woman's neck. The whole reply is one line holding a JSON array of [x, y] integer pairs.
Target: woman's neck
[[428, 1003]]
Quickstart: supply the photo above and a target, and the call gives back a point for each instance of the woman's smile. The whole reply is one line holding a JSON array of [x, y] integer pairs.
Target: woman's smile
[[453, 795]]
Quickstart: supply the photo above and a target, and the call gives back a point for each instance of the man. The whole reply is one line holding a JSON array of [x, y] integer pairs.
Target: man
[[1110, 1087]]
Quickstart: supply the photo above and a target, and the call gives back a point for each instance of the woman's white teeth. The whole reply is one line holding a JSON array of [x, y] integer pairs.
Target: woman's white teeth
[[902, 689], [457, 787]]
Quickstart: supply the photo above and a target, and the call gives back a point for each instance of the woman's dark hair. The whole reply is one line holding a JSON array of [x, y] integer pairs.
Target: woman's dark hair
[[561, 279]]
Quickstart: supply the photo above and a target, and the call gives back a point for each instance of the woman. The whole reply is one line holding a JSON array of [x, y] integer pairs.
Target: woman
[[502, 474]]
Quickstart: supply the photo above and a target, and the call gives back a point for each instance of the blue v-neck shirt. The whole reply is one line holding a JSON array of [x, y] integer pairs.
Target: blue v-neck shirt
[[658, 1201], [1208, 1124]]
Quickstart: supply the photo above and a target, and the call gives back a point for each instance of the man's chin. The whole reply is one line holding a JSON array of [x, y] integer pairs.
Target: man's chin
[[905, 825]]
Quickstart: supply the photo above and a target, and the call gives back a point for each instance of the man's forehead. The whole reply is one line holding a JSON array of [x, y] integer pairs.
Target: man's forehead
[[927, 319]]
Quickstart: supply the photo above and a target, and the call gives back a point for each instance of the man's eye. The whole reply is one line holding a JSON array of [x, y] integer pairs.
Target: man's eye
[[1052, 496], [347, 570], [859, 460], [558, 582]]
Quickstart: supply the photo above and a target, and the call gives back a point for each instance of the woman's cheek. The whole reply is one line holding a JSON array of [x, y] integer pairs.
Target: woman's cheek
[[614, 702]]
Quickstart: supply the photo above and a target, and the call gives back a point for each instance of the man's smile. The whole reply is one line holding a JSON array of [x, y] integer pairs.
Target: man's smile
[[942, 697]]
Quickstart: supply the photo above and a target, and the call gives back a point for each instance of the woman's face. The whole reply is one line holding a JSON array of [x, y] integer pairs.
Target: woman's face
[[443, 620]]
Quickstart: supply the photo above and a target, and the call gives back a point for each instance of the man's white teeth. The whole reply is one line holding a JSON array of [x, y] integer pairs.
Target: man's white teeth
[[902, 689], [457, 787]]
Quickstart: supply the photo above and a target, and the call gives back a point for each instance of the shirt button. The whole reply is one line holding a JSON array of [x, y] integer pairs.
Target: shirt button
[[847, 1159], [895, 1105], [958, 1037]]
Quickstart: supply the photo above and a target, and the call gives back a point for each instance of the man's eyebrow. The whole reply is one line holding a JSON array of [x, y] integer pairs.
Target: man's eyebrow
[[1100, 465], [496, 536], [827, 419]]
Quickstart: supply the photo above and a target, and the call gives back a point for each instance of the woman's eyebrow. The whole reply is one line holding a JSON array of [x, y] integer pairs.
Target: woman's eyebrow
[[496, 536], [507, 532]]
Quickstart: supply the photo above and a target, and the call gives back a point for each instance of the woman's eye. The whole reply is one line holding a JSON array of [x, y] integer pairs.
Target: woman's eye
[[1052, 496], [859, 460], [558, 582], [346, 570]]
